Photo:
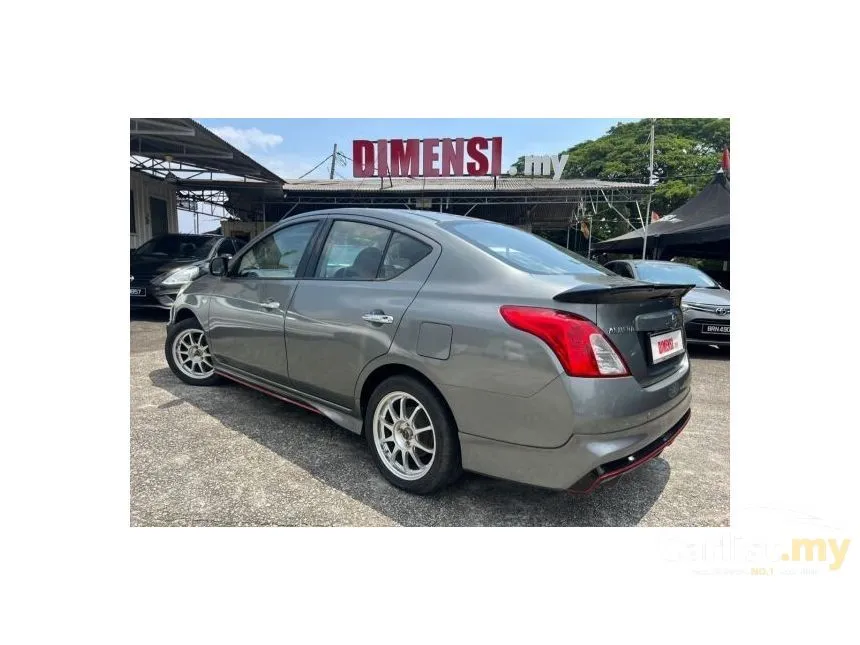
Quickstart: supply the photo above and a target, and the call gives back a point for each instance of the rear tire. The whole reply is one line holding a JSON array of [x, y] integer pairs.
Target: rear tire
[[188, 354], [412, 436]]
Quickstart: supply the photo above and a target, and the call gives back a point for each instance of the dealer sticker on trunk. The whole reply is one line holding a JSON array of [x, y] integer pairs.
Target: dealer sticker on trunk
[[665, 346]]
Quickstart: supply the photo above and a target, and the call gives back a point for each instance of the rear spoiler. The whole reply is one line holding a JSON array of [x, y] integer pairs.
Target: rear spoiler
[[637, 293]]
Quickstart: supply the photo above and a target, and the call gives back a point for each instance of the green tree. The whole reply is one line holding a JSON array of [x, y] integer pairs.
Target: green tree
[[687, 153]]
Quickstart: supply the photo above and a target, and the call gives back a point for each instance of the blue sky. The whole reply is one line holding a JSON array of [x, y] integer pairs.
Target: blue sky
[[291, 147]]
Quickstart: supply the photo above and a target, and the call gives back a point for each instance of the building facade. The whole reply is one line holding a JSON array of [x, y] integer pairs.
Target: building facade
[[153, 208]]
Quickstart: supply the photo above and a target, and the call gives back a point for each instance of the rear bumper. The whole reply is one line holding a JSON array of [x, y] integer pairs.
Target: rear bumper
[[585, 461], [612, 469]]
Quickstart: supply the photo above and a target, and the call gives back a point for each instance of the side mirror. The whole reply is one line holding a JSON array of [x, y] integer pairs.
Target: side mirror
[[218, 266]]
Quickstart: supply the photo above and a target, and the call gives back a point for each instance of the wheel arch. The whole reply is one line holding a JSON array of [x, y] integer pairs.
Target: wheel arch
[[382, 372], [184, 314]]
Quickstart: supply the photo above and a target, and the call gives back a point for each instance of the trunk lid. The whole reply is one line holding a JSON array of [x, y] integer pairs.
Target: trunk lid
[[630, 313]]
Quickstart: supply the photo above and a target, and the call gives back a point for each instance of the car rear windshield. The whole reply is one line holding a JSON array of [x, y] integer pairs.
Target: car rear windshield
[[522, 250], [674, 274], [179, 246]]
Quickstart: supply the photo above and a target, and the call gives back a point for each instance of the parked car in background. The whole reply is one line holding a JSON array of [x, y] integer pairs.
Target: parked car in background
[[166, 263], [451, 343], [706, 307]]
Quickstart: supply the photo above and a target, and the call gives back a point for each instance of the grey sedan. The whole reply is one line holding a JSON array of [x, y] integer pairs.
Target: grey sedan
[[450, 343], [707, 306]]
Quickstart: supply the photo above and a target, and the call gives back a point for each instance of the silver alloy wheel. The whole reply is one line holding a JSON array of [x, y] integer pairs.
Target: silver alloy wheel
[[191, 354], [404, 435]]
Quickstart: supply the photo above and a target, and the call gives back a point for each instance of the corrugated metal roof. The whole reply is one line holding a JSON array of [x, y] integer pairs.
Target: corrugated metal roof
[[185, 141], [449, 184]]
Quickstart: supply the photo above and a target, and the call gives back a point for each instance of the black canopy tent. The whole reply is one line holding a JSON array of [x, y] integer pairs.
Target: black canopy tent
[[699, 228]]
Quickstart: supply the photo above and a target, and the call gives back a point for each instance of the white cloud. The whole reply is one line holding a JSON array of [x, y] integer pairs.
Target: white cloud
[[248, 139]]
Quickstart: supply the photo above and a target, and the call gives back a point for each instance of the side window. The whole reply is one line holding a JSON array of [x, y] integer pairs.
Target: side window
[[403, 252], [225, 247], [621, 269], [277, 255], [239, 243], [352, 251]]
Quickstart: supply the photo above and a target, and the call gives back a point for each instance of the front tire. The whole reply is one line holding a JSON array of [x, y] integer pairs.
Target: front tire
[[188, 354], [412, 436]]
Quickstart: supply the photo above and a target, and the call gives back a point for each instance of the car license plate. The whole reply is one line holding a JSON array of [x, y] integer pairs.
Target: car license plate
[[715, 329], [138, 292], [665, 346]]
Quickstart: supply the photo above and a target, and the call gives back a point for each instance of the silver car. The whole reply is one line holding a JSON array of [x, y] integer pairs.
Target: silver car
[[451, 343], [706, 307]]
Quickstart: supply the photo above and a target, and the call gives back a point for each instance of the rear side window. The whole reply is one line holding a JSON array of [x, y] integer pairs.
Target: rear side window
[[522, 250], [621, 269], [403, 252]]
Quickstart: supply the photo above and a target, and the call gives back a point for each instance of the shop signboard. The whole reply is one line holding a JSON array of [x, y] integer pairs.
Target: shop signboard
[[444, 157]]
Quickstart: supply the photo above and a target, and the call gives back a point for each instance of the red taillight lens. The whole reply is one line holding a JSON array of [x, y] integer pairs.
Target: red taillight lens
[[580, 346]]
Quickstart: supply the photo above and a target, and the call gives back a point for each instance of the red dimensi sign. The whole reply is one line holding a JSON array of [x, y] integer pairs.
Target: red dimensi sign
[[459, 157]]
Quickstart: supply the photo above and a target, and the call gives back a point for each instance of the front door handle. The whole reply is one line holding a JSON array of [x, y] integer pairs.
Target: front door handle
[[270, 304], [379, 317]]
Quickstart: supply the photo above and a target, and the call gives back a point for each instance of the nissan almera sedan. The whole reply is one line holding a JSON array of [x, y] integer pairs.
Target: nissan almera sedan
[[450, 343]]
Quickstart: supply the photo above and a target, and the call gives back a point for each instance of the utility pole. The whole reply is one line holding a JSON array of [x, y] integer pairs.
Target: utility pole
[[333, 159], [590, 233], [650, 183]]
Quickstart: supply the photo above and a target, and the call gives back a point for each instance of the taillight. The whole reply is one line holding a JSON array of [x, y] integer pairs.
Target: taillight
[[580, 346]]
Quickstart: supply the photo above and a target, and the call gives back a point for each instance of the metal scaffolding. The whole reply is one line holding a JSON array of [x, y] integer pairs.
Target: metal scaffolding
[[538, 205], [204, 168]]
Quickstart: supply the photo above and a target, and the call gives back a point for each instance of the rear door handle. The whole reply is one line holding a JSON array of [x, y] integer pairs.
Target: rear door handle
[[270, 304], [379, 317]]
